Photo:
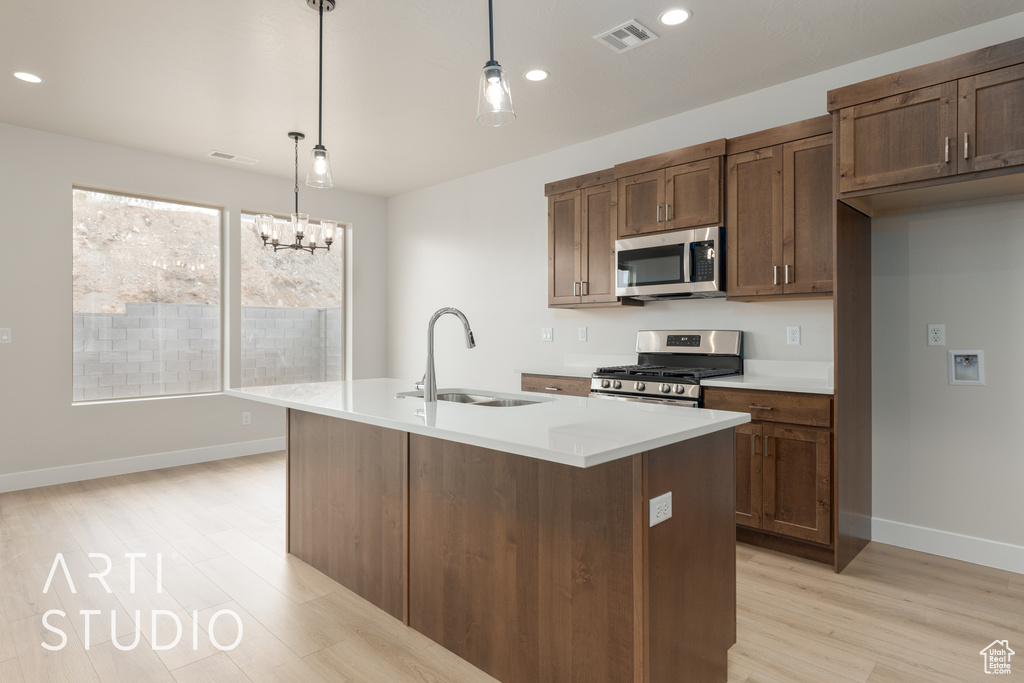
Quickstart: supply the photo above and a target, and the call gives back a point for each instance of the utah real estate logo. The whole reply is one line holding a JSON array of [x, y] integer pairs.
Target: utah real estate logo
[[997, 657]]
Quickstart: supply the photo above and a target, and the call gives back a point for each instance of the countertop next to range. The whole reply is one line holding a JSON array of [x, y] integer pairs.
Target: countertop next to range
[[581, 432], [805, 377]]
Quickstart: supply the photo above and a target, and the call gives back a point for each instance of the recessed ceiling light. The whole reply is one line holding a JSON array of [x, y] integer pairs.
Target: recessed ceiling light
[[536, 75], [673, 17], [27, 77]]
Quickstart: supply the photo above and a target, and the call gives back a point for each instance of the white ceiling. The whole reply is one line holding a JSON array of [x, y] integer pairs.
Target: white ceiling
[[184, 77]]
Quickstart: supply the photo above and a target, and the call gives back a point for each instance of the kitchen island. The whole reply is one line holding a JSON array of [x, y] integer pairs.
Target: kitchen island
[[519, 537]]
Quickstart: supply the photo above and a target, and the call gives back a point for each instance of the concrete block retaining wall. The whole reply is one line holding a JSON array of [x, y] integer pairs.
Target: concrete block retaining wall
[[164, 349]]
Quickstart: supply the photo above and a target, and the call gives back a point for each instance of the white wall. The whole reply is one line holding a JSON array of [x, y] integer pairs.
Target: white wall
[[948, 459], [479, 243], [39, 428]]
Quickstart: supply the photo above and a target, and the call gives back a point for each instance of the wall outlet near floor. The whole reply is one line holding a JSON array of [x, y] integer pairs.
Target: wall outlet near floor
[[547, 334], [936, 334], [793, 334], [5, 335], [247, 418], [583, 334], [661, 508]]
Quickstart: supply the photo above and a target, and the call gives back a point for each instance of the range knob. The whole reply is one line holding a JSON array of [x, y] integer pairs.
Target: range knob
[[665, 388], [616, 384], [605, 384], [680, 388], [639, 386]]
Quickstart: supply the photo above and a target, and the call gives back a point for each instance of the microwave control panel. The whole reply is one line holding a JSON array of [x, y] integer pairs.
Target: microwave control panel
[[703, 254]]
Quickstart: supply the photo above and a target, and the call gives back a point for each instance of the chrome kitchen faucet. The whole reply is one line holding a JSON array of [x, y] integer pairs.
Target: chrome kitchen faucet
[[429, 377]]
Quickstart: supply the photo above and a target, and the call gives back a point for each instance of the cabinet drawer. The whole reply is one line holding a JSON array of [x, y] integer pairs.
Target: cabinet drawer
[[552, 384], [814, 410]]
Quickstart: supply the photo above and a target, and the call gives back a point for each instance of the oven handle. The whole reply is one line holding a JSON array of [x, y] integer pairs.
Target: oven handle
[[682, 403]]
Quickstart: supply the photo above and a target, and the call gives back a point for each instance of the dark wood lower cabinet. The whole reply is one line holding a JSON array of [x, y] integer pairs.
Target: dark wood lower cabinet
[[347, 493], [531, 570]]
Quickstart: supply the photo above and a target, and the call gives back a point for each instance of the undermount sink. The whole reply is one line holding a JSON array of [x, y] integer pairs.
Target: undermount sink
[[476, 399]]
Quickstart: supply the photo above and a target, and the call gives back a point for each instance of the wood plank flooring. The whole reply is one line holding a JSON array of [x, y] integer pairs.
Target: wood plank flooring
[[894, 615]]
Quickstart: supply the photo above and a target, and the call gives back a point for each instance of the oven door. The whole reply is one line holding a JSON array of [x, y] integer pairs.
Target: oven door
[[681, 402], [654, 265]]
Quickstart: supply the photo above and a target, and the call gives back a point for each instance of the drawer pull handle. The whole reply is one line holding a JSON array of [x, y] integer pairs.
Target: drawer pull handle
[[659, 213], [551, 389], [755, 407]]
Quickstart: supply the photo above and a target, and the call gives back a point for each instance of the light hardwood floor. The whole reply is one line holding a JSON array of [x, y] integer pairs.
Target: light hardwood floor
[[894, 615]]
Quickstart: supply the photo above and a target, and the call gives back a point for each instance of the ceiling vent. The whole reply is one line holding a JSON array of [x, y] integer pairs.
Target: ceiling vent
[[626, 36], [233, 157]]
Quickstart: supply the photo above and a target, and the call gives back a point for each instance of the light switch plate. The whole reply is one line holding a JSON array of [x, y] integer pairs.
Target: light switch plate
[[547, 334], [583, 334], [5, 335]]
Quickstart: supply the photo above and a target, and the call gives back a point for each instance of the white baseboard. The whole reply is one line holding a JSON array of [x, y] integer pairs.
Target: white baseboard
[[948, 544], [108, 468]]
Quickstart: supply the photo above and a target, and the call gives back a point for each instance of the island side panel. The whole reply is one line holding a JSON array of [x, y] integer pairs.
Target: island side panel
[[347, 505], [523, 567], [691, 560]]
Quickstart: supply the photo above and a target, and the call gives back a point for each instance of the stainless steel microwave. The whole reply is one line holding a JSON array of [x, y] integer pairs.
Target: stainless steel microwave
[[671, 265]]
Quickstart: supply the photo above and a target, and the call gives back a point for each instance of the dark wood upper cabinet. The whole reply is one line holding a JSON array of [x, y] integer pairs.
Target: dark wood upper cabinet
[[779, 213], [754, 222], [898, 139], [581, 242], [807, 206], [564, 246], [991, 120], [671, 191], [949, 133]]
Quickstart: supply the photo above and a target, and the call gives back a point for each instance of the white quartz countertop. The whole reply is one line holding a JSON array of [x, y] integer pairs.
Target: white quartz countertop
[[581, 432], [797, 376]]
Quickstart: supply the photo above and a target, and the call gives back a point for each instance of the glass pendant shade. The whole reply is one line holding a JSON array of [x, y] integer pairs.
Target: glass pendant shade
[[265, 225], [300, 221], [320, 168], [494, 105], [328, 228]]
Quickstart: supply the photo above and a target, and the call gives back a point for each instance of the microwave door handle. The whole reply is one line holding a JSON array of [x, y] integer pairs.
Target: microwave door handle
[[688, 262]]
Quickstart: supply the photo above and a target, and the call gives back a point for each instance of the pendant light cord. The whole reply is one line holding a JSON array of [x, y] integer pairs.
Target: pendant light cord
[[490, 24], [296, 174], [320, 122]]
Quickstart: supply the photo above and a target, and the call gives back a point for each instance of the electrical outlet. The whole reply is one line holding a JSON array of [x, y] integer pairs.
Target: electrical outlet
[[793, 334], [5, 335], [247, 418], [936, 334], [661, 508], [547, 334], [583, 334]]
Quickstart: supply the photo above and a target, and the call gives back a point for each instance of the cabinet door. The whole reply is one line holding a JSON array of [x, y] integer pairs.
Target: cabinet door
[[807, 216], [754, 221], [564, 245], [749, 468], [797, 482], [693, 195], [898, 139], [991, 114], [641, 203], [597, 258]]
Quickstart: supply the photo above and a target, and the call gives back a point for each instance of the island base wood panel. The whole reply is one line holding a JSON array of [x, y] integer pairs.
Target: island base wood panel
[[540, 572], [347, 516]]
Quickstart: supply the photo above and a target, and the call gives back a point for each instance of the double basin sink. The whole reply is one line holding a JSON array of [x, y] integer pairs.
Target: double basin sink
[[476, 398]]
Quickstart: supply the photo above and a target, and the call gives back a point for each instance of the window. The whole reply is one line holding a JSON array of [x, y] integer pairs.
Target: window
[[293, 312], [146, 281]]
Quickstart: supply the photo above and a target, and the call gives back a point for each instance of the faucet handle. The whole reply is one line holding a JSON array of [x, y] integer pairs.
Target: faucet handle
[[422, 383]]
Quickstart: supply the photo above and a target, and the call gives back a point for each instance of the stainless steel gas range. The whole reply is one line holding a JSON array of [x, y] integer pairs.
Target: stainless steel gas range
[[670, 366]]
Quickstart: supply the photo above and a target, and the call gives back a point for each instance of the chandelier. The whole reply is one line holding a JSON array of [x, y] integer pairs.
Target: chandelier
[[318, 236]]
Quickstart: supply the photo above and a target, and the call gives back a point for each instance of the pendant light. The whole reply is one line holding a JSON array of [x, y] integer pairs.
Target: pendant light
[[300, 227], [320, 160], [494, 103]]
